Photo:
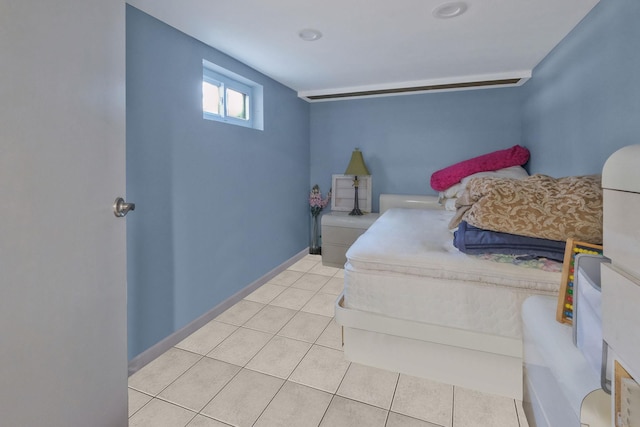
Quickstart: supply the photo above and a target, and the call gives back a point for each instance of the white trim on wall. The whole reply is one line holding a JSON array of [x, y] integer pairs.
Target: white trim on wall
[[153, 352]]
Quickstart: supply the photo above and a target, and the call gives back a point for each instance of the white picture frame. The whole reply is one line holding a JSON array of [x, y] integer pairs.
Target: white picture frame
[[343, 192]]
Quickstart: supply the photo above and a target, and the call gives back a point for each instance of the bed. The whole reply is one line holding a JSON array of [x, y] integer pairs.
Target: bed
[[413, 303]]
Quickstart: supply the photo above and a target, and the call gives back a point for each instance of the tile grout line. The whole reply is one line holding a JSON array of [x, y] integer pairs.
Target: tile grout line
[[453, 405], [176, 379], [515, 406], [223, 387], [343, 377], [140, 408], [213, 397], [326, 410], [393, 396], [386, 420], [270, 400]]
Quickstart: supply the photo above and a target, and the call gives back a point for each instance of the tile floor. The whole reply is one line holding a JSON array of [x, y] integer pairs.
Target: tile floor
[[275, 359]]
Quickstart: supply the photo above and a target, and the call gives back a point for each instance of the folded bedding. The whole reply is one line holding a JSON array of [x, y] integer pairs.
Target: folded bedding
[[538, 206], [449, 197], [474, 241], [457, 189]]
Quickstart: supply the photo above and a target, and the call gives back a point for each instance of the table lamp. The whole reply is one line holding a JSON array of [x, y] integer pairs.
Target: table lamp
[[356, 167]]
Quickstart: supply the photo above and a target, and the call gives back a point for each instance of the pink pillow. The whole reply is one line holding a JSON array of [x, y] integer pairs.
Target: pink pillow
[[445, 178]]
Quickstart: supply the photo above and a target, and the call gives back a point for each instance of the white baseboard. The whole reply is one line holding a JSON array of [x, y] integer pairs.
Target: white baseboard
[[156, 350]]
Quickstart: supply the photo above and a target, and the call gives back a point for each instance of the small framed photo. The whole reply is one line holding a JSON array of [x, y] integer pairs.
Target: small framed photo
[[343, 192]]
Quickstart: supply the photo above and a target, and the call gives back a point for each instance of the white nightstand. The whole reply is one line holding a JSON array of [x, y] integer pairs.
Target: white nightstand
[[339, 231]]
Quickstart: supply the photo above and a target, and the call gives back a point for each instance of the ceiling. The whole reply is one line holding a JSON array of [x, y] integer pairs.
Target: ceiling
[[372, 44]]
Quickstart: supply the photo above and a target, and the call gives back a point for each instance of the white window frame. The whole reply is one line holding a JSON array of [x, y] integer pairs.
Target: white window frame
[[225, 79]]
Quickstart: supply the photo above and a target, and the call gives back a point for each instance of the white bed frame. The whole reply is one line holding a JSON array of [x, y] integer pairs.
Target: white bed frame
[[483, 362]]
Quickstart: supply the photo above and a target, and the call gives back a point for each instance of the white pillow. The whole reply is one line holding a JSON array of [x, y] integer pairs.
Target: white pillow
[[450, 204], [452, 191]]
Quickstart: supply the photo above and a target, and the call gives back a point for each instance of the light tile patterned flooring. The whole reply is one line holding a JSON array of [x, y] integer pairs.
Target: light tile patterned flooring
[[275, 359]]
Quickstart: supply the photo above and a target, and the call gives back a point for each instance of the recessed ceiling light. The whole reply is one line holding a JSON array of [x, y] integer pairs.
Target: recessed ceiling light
[[450, 10], [309, 34]]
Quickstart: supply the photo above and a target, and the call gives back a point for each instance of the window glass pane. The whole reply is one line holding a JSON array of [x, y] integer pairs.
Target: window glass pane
[[210, 98], [237, 104], [229, 97]]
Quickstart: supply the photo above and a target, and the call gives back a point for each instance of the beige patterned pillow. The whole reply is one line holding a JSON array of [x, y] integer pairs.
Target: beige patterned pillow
[[538, 206]]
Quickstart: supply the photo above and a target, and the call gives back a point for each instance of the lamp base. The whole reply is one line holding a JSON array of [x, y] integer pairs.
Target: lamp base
[[356, 207]]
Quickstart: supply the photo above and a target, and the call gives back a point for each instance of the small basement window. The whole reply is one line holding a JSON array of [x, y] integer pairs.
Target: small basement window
[[230, 98]]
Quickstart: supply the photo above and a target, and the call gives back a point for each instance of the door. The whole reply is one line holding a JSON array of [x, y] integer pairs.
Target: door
[[62, 251]]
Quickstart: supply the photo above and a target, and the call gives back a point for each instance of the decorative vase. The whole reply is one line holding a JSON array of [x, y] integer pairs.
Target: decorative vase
[[314, 246]]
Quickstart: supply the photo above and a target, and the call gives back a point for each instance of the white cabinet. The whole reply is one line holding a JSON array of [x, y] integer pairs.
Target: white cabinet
[[339, 231], [620, 300], [621, 281]]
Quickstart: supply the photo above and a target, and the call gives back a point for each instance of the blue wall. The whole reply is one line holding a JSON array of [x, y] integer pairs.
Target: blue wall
[[217, 205], [581, 105], [583, 102], [404, 139], [199, 221]]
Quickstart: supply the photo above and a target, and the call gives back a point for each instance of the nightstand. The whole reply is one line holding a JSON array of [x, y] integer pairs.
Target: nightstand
[[339, 231]]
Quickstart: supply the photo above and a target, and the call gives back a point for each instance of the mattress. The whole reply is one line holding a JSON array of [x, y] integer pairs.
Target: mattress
[[405, 266]]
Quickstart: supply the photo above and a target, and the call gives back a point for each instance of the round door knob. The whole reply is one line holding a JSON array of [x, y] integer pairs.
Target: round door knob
[[121, 208]]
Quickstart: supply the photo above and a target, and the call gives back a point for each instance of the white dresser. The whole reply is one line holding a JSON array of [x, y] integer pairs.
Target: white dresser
[[339, 231]]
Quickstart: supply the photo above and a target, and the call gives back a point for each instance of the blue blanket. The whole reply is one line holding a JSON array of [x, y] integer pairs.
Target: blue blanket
[[474, 241]]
